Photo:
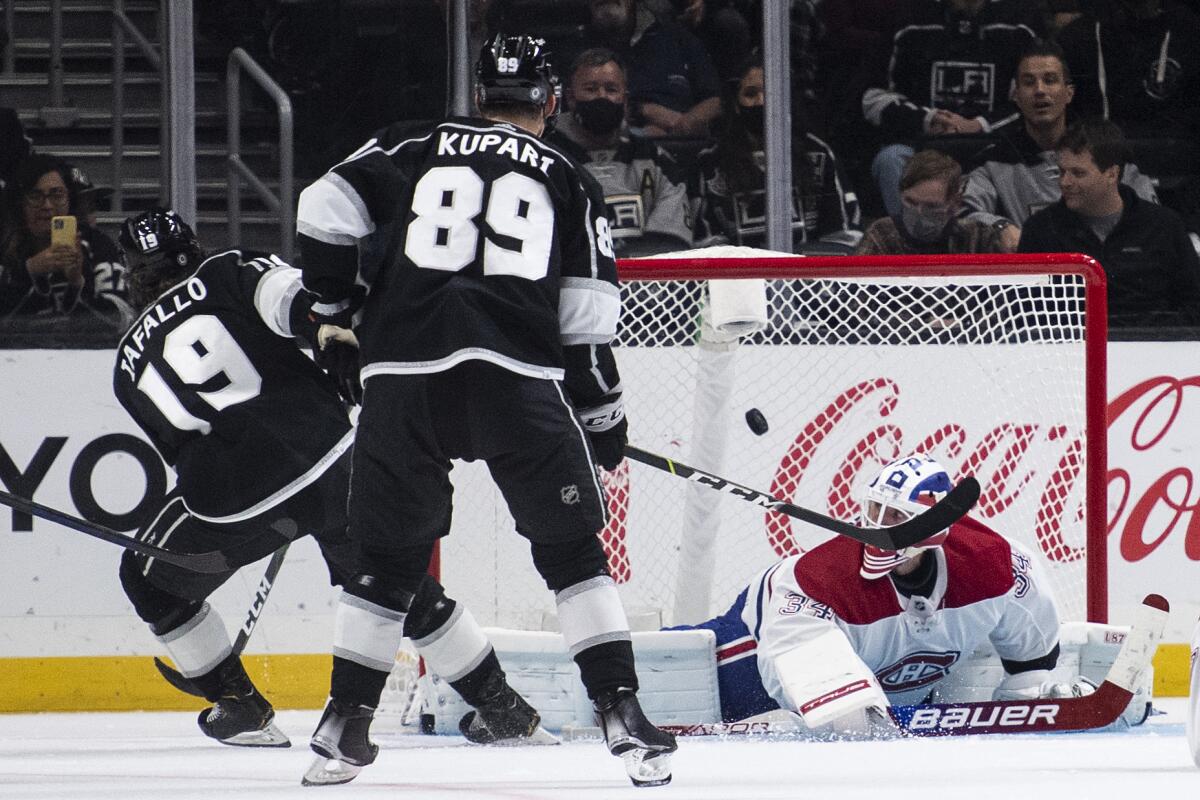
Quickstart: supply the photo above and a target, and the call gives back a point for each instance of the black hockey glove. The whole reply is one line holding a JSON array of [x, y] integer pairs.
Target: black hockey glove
[[608, 432], [336, 352]]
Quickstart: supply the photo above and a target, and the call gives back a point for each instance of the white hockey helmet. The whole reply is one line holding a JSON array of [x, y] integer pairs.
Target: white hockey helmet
[[902, 489]]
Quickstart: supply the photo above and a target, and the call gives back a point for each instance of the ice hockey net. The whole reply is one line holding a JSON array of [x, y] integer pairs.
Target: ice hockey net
[[993, 364]]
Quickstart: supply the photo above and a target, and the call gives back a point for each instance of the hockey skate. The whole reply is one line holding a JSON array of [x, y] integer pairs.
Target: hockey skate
[[341, 745], [243, 718], [645, 749], [506, 719]]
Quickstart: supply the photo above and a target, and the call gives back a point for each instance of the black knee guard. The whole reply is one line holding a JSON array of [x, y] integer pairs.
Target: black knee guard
[[390, 593], [563, 564], [161, 610], [430, 610], [406, 566]]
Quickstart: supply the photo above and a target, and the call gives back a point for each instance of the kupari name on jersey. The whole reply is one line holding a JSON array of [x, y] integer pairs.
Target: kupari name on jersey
[[180, 297], [465, 144]]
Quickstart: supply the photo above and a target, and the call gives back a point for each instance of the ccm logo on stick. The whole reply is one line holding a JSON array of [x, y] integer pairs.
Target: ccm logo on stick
[[996, 716]]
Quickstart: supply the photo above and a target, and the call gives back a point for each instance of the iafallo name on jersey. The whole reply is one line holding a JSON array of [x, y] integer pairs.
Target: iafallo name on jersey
[[175, 302]]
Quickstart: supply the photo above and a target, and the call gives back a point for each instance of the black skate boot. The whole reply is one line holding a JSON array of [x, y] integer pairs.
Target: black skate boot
[[241, 716], [645, 749], [341, 745], [505, 718]]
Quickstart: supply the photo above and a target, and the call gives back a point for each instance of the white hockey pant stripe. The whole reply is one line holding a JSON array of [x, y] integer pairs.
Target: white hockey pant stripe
[[366, 633], [199, 644], [457, 647], [590, 613]]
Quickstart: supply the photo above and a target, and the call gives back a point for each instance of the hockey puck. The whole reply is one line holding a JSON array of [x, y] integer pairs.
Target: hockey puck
[[756, 421]]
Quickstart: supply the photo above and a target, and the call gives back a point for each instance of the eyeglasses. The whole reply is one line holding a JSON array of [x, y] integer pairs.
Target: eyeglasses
[[35, 198]]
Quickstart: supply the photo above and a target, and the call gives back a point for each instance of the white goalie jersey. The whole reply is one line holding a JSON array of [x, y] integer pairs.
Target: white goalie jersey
[[985, 587]]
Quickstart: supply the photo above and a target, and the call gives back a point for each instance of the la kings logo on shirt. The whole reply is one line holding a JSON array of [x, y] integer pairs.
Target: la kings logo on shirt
[[961, 84]]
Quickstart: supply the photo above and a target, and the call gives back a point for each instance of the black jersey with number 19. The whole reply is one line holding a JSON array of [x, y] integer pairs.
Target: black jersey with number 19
[[476, 241], [211, 373]]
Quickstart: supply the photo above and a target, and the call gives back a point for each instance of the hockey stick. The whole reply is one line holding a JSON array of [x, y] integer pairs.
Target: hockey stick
[[1095, 710], [945, 513], [183, 684], [209, 562]]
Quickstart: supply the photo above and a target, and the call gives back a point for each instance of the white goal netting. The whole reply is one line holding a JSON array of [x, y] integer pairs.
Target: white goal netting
[[983, 363]]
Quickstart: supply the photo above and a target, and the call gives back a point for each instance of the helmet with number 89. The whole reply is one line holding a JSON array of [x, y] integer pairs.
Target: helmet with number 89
[[515, 69], [902, 489], [159, 250]]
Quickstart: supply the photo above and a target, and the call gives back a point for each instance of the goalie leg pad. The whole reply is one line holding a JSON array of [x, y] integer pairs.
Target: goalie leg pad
[[826, 681]]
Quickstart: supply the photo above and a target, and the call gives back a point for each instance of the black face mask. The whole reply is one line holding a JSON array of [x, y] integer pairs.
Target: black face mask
[[600, 116], [753, 119]]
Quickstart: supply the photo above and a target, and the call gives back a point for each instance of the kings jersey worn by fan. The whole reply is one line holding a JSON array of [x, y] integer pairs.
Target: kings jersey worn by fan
[[245, 418], [472, 197], [985, 589]]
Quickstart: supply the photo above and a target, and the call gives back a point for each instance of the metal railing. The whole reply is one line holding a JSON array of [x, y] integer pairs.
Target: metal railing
[[240, 61], [123, 26]]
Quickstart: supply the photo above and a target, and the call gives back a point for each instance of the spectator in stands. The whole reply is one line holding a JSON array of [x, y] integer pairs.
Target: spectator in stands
[[1137, 62], [89, 196], [85, 280], [733, 179], [1020, 173], [14, 144], [644, 190], [929, 221], [1153, 270], [950, 70], [673, 85], [724, 26]]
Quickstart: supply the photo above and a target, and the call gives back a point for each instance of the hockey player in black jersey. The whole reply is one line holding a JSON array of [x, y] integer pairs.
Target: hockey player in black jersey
[[485, 335], [258, 436]]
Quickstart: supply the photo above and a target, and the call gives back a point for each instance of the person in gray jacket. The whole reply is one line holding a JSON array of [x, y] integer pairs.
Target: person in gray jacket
[[645, 191], [1020, 173]]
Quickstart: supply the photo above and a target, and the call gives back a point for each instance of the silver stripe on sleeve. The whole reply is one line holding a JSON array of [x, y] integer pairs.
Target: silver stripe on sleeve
[[588, 311], [273, 298], [199, 644], [590, 613], [366, 633], [330, 211]]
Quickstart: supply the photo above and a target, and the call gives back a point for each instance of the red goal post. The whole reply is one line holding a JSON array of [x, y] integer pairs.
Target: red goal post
[[993, 364]]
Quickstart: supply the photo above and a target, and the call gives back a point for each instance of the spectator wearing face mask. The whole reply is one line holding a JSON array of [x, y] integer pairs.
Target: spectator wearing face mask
[[673, 85], [930, 202], [645, 191], [733, 202]]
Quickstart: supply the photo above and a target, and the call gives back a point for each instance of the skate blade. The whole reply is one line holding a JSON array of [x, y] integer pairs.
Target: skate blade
[[647, 768], [540, 736], [269, 736], [329, 772]]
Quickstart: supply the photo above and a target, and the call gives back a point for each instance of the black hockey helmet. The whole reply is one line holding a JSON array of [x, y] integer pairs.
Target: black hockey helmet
[[515, 69], [159, 250]]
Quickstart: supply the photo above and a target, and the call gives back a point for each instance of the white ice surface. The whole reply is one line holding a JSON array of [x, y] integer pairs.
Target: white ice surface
[[162, 756]]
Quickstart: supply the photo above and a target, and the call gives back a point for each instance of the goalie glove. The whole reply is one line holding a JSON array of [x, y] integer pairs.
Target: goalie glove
[[607, 430], [1037, 684], [337, 353]]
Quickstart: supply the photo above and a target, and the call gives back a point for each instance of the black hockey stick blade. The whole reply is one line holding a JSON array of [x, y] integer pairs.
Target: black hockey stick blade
[[946, 512], [210, 562], [183, 684]]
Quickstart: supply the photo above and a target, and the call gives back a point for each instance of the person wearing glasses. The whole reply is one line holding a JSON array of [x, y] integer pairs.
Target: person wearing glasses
[[83, 280]]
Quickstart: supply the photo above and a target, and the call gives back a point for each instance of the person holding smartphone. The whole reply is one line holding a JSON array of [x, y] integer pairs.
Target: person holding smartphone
[[51, 263]]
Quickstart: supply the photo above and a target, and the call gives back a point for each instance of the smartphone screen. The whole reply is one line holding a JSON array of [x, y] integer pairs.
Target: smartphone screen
[[62, 230]]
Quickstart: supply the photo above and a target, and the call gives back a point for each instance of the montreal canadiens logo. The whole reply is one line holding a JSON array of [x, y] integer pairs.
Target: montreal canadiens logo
[[916, 670]]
